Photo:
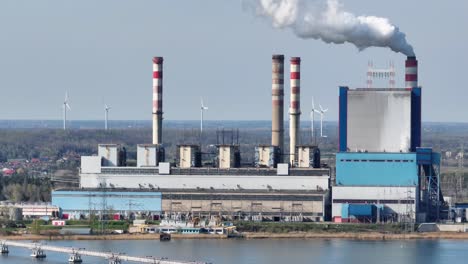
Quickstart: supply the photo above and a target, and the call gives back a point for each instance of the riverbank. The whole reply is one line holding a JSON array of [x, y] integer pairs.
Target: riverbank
[[251, 235]]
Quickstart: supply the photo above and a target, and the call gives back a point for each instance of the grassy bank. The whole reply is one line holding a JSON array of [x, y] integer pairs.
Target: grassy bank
[[284, 228], [248, 235], [249, 230]]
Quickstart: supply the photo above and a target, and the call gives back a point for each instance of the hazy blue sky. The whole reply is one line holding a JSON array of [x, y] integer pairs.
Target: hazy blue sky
[[102, 50]]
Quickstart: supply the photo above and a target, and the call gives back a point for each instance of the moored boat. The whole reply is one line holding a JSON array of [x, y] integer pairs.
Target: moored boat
[[75, 258], [38, 253]]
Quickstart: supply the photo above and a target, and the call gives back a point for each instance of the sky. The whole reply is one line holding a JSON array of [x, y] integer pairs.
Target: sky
[[101, 51]]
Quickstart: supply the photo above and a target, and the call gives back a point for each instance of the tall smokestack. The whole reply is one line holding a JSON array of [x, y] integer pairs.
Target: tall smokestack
[[157, 99], [294, 107], [277, 89], [411, 72]]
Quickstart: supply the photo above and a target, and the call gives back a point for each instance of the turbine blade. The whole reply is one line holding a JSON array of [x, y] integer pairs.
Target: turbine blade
[[313, 104], [68, 106]]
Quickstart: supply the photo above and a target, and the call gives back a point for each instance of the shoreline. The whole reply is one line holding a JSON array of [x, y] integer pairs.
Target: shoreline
[[250, 235]]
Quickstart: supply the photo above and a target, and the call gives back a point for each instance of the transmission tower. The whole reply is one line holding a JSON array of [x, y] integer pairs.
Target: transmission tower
[[103, 222]]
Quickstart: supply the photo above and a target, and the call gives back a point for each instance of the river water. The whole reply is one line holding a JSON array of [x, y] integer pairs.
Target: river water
[[269, 251]]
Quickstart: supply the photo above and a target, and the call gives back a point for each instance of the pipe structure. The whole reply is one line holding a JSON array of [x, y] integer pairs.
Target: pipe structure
[[157, 99], [294, 107], [277, 89], [411, 72]]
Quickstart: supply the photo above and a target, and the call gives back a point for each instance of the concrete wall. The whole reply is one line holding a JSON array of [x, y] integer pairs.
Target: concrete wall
[[371, 169], [453, 227], [225, 156], [186, 156], [303, 157], [234, 204], [217, 182], [147, 155], [265, 156], [91, 164], [110, 154]]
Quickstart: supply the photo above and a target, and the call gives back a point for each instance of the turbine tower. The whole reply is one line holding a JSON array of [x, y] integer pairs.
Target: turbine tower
[[312, 120], [322, 112], [202, 109], [66, 107], [106, 116]]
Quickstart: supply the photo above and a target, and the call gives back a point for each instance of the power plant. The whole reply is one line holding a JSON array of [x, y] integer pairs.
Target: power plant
[[382, 171]]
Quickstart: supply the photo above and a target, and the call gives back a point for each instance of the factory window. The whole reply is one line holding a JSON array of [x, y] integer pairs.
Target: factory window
[[374, 201]]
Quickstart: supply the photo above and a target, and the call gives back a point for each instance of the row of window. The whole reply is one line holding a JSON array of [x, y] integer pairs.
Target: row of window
[[373, 160], [373, 201]]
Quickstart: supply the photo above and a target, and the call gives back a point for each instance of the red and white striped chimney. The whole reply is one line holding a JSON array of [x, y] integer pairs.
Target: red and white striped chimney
[[157, 99], [411, 72], [294, 107], [277, 91]]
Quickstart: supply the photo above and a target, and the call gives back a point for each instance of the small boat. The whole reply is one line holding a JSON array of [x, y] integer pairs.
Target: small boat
[[164, 237], [38, 253], [4, 249], [115, 260], [75, 258]]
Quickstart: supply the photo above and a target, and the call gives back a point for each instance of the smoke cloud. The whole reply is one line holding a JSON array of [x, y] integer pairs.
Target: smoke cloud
[[329, 22]]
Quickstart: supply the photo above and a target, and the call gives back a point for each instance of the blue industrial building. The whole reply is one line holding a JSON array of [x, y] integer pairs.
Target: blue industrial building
[[380, 163], [374, 169], [82, 202]]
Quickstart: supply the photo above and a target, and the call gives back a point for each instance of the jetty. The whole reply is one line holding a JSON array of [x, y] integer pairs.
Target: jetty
[[114, 258]]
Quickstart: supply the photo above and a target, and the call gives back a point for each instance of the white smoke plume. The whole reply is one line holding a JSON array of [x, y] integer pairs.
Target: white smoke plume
[[328, 21]]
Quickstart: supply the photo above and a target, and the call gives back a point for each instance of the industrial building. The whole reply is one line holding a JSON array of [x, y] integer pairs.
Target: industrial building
[[381, 168], [76, 204], [279, 187], [23, 210], [382, 171]]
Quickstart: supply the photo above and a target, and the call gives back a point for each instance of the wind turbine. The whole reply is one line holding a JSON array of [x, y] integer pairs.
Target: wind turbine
[[106, 115], [312, 120], [322, 112], [66, 107], [202, 109]]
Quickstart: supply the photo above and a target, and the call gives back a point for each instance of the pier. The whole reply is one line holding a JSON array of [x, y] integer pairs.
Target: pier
[[114, 258]]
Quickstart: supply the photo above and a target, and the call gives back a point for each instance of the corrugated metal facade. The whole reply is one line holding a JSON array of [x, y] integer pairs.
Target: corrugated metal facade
[[376, 169], [74, 201], [390, 200]]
